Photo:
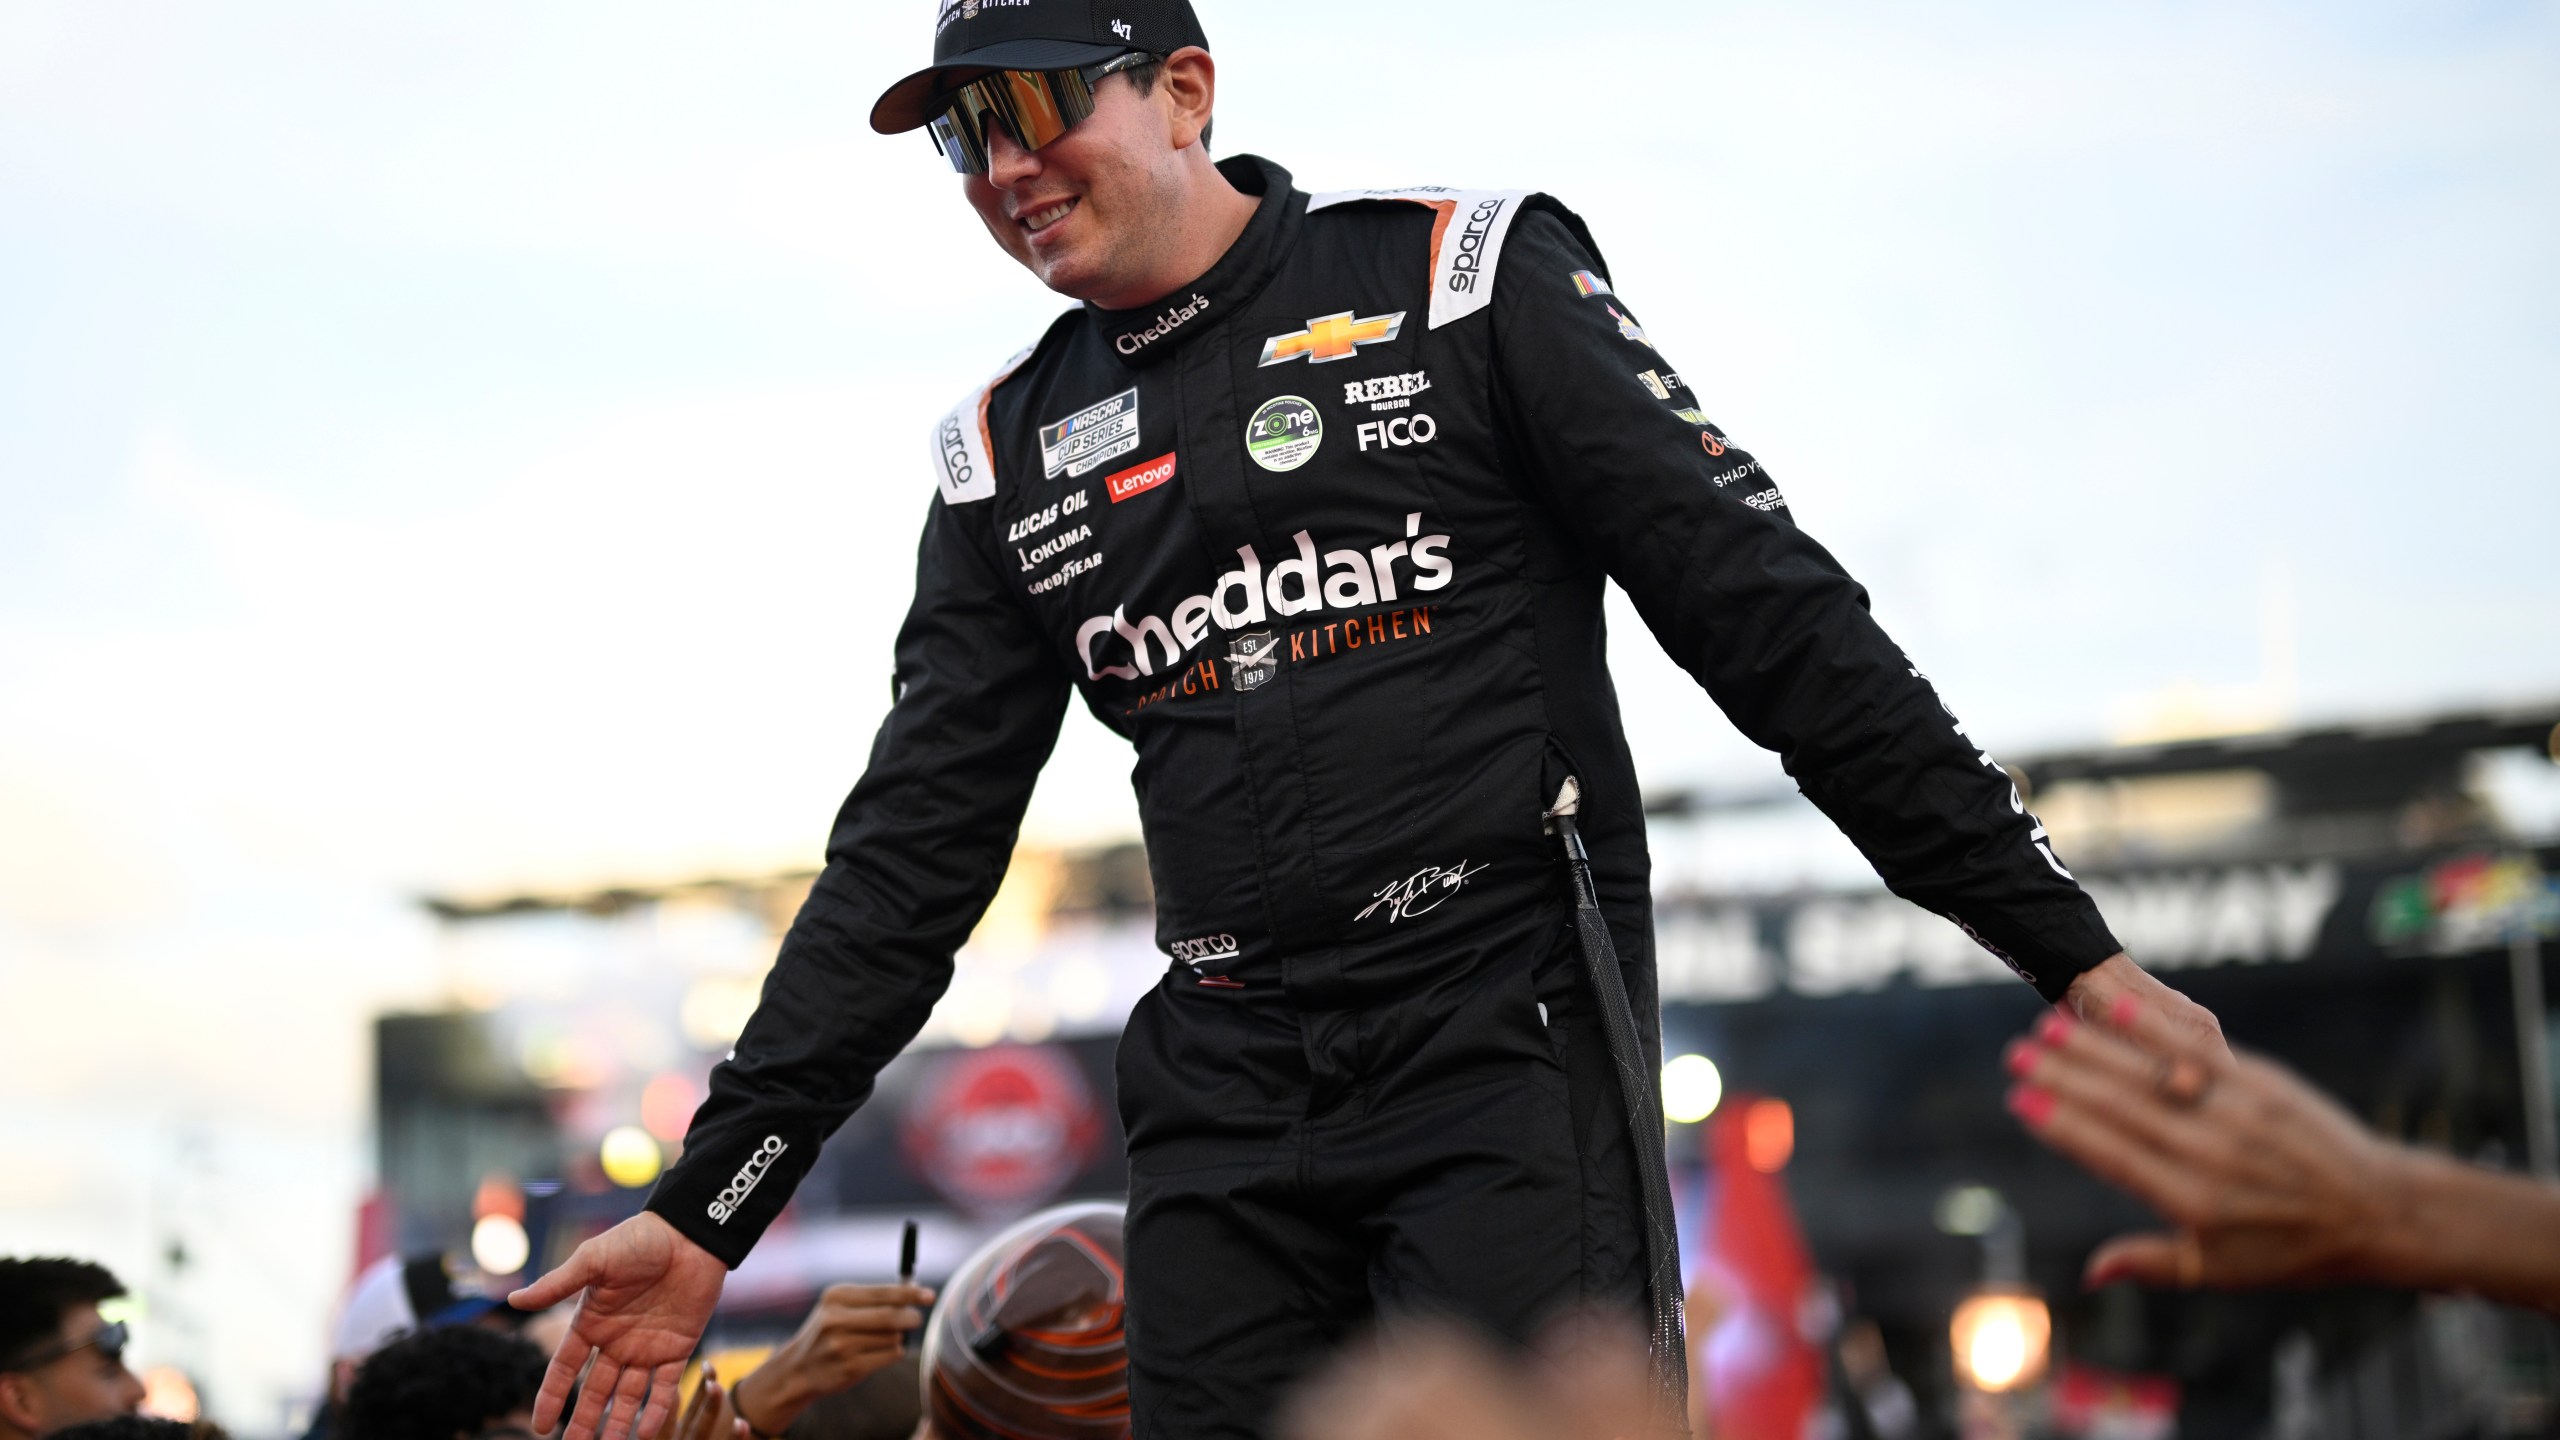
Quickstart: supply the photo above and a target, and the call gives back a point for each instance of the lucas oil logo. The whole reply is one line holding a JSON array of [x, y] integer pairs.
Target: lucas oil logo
[[1332, 337], [1079, 444], [1285, 433]]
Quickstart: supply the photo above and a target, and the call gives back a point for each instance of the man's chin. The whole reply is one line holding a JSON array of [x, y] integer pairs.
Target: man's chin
[[1071, 272]]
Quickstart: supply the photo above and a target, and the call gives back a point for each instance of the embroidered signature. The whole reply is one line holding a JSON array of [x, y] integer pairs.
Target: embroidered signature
[[1421, 892]]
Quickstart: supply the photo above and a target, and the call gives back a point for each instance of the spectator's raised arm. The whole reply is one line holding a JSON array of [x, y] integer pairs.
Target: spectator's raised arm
[[2270, 1182]]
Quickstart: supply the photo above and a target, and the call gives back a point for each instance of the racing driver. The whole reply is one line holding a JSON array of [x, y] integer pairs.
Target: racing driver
[[1312, 499]]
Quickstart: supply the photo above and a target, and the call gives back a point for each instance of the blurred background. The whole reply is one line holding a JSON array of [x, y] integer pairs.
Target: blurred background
[[459, 469]]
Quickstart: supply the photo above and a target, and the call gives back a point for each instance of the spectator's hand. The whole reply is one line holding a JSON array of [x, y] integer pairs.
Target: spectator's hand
[[649, 1293], [1590, 1382], [710, 1416], [852, 1332], [2171, 1019], [2271, 1183]]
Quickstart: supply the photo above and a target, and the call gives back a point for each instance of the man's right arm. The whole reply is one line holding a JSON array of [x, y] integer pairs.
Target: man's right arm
[[915, 857]]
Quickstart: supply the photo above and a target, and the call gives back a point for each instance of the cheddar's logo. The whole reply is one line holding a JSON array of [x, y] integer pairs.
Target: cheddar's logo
[[1332, 337]]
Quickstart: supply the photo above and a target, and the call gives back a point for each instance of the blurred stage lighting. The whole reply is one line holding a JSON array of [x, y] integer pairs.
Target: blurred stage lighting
[[499, 1245], [666, 1106], [2001, 1340], [631, 1156], [1969, 1210], [1769, 1135], [1692, 1088]]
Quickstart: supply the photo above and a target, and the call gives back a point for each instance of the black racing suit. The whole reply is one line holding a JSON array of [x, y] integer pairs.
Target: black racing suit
[[1324, 535]]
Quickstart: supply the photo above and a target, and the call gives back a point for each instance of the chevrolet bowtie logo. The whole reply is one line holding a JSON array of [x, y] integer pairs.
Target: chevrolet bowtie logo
[[1334, 337]]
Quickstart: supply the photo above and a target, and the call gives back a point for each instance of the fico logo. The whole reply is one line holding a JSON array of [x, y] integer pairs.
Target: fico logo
[[1463, 270], [1401, 431], [744, 1183], [1139, 479]]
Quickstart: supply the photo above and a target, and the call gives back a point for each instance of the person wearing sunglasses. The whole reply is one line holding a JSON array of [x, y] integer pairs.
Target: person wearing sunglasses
[[61, 1363], [1313, 499]]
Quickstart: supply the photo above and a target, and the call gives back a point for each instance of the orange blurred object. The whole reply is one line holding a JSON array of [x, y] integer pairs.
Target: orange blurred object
[[1769, 1135], [498, 1195], [2001, 1340], [167, 1394], [666, 1106]]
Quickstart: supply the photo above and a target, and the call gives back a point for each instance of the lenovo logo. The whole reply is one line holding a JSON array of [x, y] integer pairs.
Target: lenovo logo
[[1139, 479]]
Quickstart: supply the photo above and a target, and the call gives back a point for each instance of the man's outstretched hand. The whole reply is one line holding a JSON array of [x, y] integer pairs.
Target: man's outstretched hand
[[649, 1293], [2169, 1021]]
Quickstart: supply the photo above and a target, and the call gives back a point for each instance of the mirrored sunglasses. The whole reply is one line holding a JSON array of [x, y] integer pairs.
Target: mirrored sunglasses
[[1034, 107]]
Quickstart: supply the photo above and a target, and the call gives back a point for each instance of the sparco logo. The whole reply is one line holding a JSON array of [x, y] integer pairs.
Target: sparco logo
[[954, 444], [1166, 324], [1471, 242], [749, 1176], [1207, 947]]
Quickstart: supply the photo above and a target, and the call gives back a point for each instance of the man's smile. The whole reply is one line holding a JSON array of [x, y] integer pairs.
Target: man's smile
[[1035, 221]]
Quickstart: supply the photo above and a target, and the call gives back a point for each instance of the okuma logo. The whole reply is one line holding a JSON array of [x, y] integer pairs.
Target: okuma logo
[[749, 1176]]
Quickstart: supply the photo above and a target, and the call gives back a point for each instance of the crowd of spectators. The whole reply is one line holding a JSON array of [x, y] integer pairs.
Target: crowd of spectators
[[2266, 1182]]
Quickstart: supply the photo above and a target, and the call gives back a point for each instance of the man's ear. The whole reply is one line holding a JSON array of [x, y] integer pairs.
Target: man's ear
[[18, 1412], [1189, 84]]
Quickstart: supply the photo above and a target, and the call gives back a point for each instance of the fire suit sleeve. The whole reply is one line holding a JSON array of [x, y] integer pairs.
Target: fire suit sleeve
[[913, 861], [1694, 530]]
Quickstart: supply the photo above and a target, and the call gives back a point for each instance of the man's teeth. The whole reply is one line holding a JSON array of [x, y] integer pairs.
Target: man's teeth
[[1043, 219]]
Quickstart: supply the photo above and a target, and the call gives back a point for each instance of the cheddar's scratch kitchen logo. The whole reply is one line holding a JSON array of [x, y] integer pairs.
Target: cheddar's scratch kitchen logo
[[1250, 597]]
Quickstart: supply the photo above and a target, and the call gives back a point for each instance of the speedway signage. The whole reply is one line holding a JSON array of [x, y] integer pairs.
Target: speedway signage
[[2277, 913]]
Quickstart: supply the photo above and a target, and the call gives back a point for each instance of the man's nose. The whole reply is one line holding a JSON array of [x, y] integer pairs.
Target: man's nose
[[1008, 164]]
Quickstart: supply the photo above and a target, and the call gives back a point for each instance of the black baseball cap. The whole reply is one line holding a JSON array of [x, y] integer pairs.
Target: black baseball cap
[[971, 37]]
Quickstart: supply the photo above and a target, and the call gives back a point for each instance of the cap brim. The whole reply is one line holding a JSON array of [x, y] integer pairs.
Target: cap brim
[[461, 1312], [906, 105]]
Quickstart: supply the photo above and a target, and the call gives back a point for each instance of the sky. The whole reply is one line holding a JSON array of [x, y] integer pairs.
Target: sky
[[471, 446]]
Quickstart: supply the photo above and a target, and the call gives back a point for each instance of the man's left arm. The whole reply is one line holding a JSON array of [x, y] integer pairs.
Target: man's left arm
[[1768, 622]]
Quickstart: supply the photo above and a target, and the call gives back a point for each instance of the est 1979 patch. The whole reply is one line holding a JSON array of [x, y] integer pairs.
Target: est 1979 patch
[[1284, 434]]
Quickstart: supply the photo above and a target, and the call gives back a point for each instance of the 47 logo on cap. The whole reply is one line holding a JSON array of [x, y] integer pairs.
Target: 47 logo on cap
[[1332, 337]]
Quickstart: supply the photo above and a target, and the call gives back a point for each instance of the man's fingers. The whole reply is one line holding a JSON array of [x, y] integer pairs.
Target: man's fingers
[[559, 1380], [592, 1397], [629, 1390], [2168, 1023], [875, 1296], [2078, 1079], [2143, 1259], [696, 1424], [571, 1277], [661, 1402], [872, 1320]]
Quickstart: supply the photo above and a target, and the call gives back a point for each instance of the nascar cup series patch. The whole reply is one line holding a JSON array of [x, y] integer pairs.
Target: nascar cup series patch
[[1284, 434], [1081, 443]]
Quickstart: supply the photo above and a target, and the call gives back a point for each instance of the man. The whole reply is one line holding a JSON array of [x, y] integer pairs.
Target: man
[[454, 1382], [395, 1297], [61, 1363], [1313, 500]]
